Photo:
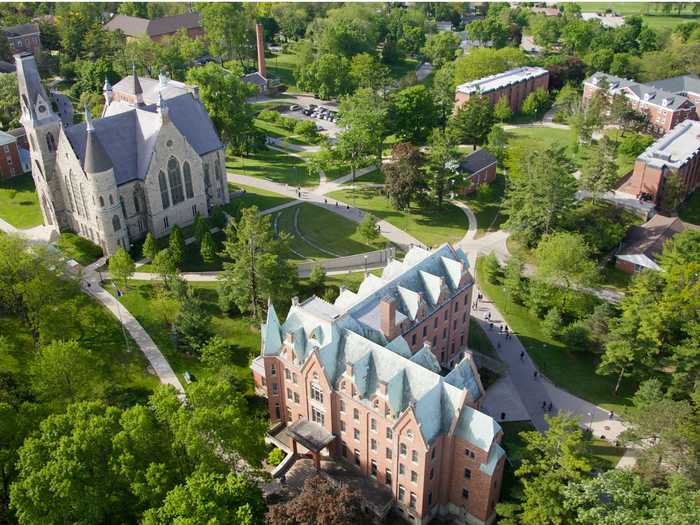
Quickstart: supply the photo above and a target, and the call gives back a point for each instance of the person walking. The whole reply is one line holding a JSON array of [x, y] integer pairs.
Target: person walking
[[522, 356], [534, 375], [549, 407], [611, 415]]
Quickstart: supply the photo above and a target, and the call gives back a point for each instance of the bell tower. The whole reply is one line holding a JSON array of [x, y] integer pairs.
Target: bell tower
[[43, 127]]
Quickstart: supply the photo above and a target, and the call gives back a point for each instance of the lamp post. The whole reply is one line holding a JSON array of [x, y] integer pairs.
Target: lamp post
[[590, 422]]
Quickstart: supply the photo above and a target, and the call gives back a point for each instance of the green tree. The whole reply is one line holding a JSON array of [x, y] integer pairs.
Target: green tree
[[368, 72], [10, 111], [317, 278], [566, 102], [364, 114], [164, 264], [492, 267], [513, 280], [672, 192], [473, 121], [552, 323], [193, 323], [200, 228], [539, 198], [64, 372], [224, 97], [402, 176], [413, 113], [496, 142], [484, 61], [502, 110], [328, 76], [565, 259], [229, 31], [255, 264], [368, 228], [442, 163], [599, 173], [216, 353], [209, 497], [444, 91], [121, 266], [208, 247], [536, 102], [550, 462], [441, 48], [176, 246]]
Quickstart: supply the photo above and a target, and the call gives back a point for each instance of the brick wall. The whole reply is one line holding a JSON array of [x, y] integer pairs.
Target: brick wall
[[10, 164], [515, 93]]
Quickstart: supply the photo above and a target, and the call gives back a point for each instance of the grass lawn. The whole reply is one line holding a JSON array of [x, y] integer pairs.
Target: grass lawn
[[653, 18], [192, 259], [299, 250], [400, 70], [263, 199], [239, 332], [75, 247], [275, 166], [282, 66], [19, 204], [690, 209], [373, 177], [486, 205], [282, 133], [429, 224], [569, 370]]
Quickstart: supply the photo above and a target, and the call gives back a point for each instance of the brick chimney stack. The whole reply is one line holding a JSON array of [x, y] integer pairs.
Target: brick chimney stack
[[387, 317], [261, 49]]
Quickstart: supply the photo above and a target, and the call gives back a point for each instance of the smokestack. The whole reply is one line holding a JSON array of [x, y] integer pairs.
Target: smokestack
[[261, 49]]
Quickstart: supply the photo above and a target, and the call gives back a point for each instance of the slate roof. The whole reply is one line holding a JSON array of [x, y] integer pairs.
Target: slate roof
[[21, 30], [477, 161], [128, 134], [7, 138], [647, 93], [341, 342], [681, 84], [255, 78], [136, 26], [649, 238]]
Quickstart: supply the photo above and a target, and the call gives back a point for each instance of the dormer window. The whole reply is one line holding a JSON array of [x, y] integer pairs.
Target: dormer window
[[409, 434], [315, 376]]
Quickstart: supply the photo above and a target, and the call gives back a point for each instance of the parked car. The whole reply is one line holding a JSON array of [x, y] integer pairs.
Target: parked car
[[294, 107]]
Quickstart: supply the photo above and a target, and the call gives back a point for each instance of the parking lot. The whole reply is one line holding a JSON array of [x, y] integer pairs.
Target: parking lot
[[324, 114]]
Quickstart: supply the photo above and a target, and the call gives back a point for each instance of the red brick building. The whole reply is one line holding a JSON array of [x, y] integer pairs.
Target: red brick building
[[475, 169], [370, 374], [515, 84], [10, 159], [678, 151], [686, 85], [664, 109], [158, 28]]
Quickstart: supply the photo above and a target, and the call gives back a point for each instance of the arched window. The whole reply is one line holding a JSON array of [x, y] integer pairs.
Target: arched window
[[217, 170], [164, 197], [121, 201], [175, 180], [38, 166], [102, 202], [207, 181], [70, 195], [82, 200], [188, 180], [116, 224], [50, 142], [137, 204]]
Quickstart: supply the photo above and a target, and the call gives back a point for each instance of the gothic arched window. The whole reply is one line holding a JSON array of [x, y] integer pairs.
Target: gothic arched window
[[217, 170], [121, 201], [175, 180], [137, 204], [50, 142], [70, 195], [207, 180], [188, 180], [82, 200], [164, 197], [111, 200], [116, 224], [102, 202]]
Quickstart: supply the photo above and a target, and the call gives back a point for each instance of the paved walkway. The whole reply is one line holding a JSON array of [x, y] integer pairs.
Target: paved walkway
[[157, 360], [37, 233], [473, 226]]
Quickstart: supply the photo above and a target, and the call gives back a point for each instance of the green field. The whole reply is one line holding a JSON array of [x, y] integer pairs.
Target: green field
[[282, 66], [78, 248], [239, 332], [654, 19], [429, 224], [19, 204], [486, 205], [570, 370], [263, 199], [275, 166]]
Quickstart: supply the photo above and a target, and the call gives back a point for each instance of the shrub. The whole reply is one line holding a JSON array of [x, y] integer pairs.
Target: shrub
[[633, 144], [306, 129], [275, 457], [287, 123], [577, 335], [492, 268], [269, 115], [552, 324]]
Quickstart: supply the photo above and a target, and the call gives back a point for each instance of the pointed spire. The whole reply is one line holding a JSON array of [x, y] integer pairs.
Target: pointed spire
[[96, 159], [107, 86], [137, 83], [162, 108], [272, 340], [162, 80]]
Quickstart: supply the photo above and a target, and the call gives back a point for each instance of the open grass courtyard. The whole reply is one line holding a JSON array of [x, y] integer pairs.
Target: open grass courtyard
[[430, 224], [19, 204], [275, 166]]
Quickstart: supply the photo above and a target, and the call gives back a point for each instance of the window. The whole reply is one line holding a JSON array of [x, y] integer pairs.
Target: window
[[164, 197], [287, 375], [373, 468], [412, 504], [387, 477], [425, 330], [175, 180], [468, 453], [409, 434], [456, 306], [402, 469], [316, 393], [432, 473], [414, 456], [435, 322], [434, 341], [465, 493], [217, 171], [289, 394], [389, 433], [121, 202], [296, 397], [432, 454], [402, 449], [50, 142], [356, 434], [274, 388], [277, 410], [444, 333], [402, 493], [82, 200], [373, 444], [317, 416], [188, 179], [289, 414], [454, 324], [70, 195], [342, 426], [413, 339], [294, 378], [467, 473], [342, 406], [137, 204], [373, 424], [414, 476], [116, 224], [430, 498], [166, 223], [207, 181], [388, 453], [357, 457], [355, 414], [111, 200], [273, 370]]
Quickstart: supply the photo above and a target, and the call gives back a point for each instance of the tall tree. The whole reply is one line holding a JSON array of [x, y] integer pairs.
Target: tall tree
[[9, 101], [441, 48], [444, 91], [368, 72], [473, 121], [327, 76], [442, 163], [255, 264], [229, 31], [402, 176], [599, 172], [368, 228], [496, 143], [502, 110], [364, 115], [176, 245], [541, 195], [413, 113], [121, 266], [565, 258]]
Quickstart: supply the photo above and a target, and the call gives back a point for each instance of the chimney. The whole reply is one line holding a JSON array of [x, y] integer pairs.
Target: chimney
[[387, 317], [261, 49]]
